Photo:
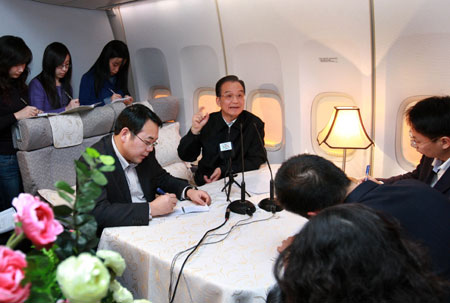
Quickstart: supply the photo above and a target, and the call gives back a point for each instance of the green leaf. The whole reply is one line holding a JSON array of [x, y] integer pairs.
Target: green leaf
[[82, 167], [65, 196], [62, 211], [107, 160], [89, 230], [92, 152], [64, 186], [99, 178], [88, 159], [107, 168]]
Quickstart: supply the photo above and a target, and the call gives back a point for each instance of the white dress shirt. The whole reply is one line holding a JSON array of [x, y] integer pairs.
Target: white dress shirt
[[439, 168]]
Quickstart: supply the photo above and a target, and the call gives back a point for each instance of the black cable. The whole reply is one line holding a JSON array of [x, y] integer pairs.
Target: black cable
[[227, 216], [237, 224]]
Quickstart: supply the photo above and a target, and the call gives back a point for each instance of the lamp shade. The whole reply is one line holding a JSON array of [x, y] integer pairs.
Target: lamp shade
[[345, 130]]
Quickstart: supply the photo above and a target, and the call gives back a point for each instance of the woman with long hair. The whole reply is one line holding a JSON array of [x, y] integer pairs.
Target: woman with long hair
[[14, 59], [51, 91], [351, 253], [107, 80]]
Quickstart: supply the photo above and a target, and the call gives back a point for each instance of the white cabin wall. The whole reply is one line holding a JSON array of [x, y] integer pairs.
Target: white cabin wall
[[413, 45], [84, 32], [184, 34], [294, 34]]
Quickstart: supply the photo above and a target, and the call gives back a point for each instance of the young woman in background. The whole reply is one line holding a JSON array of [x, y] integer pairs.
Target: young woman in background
[[51, 91], [107, 80], [14, 59]]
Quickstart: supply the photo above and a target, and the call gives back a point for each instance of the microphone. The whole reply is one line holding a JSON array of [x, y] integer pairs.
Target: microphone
[[242, 206], [268, 204]]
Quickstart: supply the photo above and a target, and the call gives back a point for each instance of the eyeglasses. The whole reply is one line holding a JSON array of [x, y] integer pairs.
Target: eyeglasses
[[230, 97], [415, 144], [152, 144], [63, 66]]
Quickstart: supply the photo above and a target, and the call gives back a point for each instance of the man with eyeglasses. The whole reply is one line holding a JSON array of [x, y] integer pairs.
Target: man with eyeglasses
[[217, 136], [129, 196], [429, 120]]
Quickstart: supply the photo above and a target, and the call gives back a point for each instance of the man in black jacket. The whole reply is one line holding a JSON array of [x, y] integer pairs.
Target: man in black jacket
[[217, 135], [129, 196], [429, 120], [306, 184]]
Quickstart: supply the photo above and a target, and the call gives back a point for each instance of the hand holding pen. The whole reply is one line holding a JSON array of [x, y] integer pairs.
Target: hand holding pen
[[26, 112], [115, 96], [72, 103]]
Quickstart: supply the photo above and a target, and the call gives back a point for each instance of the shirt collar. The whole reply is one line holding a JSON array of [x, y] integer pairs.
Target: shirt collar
[[229, 123], [123, 162], [439, 165]]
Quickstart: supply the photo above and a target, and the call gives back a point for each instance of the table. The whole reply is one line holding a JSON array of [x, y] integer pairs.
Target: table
[[238, 269]]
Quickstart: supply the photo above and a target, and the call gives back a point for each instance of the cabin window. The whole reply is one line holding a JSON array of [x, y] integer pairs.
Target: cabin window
[[322, 109], [159, 92], [407, 156], [266, 104], [206, 97]]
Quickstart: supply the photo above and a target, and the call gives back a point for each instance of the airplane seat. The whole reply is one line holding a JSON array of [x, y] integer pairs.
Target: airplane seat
[[42, 162]]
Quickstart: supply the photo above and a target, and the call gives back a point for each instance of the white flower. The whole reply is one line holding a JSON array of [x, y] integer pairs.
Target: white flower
[[112, 260], [83, 279], [120, 293]]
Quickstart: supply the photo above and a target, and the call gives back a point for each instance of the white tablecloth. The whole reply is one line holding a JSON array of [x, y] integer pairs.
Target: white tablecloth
[[238, 269]]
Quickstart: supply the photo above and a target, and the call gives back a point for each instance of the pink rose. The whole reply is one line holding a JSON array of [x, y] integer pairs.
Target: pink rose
[[37, 220], [12, 264]]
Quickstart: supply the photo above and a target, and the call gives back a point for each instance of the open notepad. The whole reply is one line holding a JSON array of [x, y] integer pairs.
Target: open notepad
[[78, 109]]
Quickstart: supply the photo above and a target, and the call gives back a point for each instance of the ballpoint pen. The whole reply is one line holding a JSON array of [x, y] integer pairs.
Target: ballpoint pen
[[160, 191], [23, 100], [367, 172], [68, 95]]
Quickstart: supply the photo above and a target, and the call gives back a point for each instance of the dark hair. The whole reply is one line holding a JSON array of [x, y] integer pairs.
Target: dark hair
[[351, 253], [431, 117], [113, 49], [54, 55], [134, 117], [13, 51], [230, 78], [307, 183]]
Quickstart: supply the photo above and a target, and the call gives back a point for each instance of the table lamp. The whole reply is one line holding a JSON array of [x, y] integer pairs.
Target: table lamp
[[345, 130]]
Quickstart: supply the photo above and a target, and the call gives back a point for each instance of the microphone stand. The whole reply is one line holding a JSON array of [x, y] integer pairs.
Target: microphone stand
[[227, 186], [268, 204], [242, 206]]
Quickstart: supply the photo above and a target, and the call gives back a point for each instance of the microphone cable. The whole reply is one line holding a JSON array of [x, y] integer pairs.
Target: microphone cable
[[195, 247], [227, 216]]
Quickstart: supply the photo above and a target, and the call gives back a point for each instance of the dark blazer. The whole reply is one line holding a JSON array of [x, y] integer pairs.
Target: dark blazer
[[216, 131], [424, 172], [114, 206], [423, 213]]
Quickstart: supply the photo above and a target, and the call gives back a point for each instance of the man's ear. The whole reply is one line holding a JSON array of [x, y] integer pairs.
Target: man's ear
[[218, 102], [445, 142], [312, 213], [124, 134]]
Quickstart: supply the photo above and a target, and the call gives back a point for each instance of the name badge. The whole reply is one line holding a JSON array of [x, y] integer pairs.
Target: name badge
[[225, 146]]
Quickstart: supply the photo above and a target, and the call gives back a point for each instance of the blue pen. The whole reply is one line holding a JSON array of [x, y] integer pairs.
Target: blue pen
[[367, 172], [160, 191]]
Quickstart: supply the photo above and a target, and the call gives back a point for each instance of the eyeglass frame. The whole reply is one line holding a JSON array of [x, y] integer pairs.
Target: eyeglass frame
[[64, 66], [414, 143], [230, 97], [148, 144]]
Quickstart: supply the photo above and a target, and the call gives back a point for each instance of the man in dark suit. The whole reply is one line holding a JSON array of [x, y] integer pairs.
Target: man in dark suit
[[429, 120], [129, 196], [217, 136], [306, 184]]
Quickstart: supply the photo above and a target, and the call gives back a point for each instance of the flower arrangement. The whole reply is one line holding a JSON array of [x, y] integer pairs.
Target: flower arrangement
[[62, 265]]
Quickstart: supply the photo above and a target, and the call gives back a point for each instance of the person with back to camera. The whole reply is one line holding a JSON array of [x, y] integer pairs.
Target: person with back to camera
[[209, 131], [51, 90], [129, 198], [429, 120], [14, 59], [306, 184], [107, 80], [352, 253]]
